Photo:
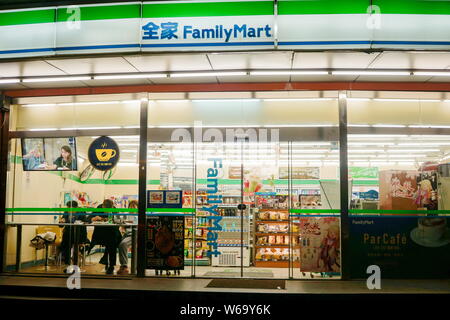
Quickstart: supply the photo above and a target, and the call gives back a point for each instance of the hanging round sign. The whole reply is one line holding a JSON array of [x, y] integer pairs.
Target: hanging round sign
[[103, 153]]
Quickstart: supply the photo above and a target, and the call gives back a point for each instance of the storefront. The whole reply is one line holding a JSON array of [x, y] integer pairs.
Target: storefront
[[267, 161]]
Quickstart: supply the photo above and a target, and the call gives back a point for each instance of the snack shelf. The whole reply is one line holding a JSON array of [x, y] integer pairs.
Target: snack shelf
[[272, 246], [265, 221], [275, 264], [272, 233]]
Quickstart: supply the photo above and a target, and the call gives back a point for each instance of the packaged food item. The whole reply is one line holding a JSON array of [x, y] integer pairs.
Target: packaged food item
[[277, 255], [284, 216], [274, 215], [283, 227], [262, 228], [262, 240], [259, 254], [280, 239], [272, 240]]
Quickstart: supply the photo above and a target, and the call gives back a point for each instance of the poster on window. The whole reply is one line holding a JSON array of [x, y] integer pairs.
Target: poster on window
[[320, 248], [165, 243], [403, 247], [398, 189], [300, 173]]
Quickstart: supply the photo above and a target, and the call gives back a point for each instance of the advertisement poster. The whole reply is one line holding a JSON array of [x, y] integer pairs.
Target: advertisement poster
[[398, 190], [403, 247], [300, 173], [363, 172], [164, 199], [320, 245], [165, 243]]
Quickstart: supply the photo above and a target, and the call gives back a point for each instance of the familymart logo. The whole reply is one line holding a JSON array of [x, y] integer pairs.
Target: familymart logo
[[173, 31], [214, 200]]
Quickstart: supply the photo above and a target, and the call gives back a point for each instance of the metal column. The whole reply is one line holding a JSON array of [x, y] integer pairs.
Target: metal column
[[343, 151], [143, 132], [4, 139]]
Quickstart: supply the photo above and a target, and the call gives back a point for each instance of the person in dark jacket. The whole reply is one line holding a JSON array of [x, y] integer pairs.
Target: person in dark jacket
[[107, 236], [72, 235]]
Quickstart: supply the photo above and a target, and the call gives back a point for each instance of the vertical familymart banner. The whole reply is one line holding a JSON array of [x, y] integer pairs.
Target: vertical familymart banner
[[220, 25]]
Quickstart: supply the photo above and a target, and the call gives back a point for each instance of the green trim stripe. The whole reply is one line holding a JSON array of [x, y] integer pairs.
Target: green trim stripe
[[128, 11], [413, 6], [315, 211], [27, 17], [71, 209], [286, 7], [102, 210], [207, 9], [400, 212]]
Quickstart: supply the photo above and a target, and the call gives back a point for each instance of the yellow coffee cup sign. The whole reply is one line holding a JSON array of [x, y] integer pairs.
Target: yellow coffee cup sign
[[105, 154]]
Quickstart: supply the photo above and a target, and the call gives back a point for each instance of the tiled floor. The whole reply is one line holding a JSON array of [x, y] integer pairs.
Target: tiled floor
[[93, 267]]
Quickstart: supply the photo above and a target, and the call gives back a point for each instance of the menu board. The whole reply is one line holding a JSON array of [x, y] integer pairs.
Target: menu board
[[320, 248], [165, 243]]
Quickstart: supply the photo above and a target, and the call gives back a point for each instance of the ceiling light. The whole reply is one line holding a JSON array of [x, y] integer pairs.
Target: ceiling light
[[86, 103], [358, 99], [371, 73], [300, 99], [52, 79], [412, 150], [432, 73], [287, 73], [388, 126], [43, 129], [407, 100], [39, 105], [131, 76], [15, 80], [95, 128], [207, 74], [429, 126]]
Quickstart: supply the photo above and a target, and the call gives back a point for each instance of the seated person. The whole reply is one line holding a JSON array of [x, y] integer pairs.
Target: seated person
[[72, 234]]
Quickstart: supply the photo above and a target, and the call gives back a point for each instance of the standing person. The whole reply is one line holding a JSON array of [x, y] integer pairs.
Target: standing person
[[107, 236], [71, 234], [65, 161], [126, 241]]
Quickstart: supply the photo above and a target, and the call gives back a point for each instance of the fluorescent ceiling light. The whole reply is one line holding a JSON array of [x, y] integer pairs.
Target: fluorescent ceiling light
[[424, 144], [359, 125], [43, 129], [208, 74], [15, 80], [287, 73], [52, 79], [365, 150], [371, 143], [37, 105], [300, 99], [405, 155], [432, 73], [225, 100], [372, 73], [131, 76], [358, 99], [388, 126], [298, 125], [406, 100], [429, 126], [412, 150], [86, 103], [95, 128], [172, 100]]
